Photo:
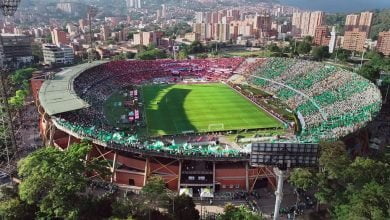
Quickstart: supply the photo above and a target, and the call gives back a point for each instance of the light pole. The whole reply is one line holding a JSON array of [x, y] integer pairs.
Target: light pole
[[281, 174], [92, 12], [6, 108], [8, 8]]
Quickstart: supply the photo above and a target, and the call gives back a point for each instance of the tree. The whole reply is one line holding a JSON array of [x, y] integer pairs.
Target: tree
[[96, 207], [334, 158], [15, 209], [131, 35], [122, 208], [381, 22], [352, 189], [341, 54], [369, 72], [37, 52], [273, 48], [374, 66], [231, 212], [110, 41], [183, 54], [11, 207], [130, 55], [121, 56], [154, 192], [19, 76], [17, 101], [196, 47], [304, 47], [178, 29], [371, 202], [202, 56], [308, 39], [183, 207], [302, 178], [319, 53], [151, 54], [54, 180]]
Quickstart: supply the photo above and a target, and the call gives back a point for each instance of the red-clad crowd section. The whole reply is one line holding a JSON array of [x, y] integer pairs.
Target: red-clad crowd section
[[97, 84]]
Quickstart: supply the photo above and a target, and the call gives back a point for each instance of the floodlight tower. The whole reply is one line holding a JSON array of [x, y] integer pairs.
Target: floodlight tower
[[283, 157], [7, 133], [92, 12]]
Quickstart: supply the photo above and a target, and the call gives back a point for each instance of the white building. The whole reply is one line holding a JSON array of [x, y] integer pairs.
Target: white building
[[333, 40], [133, 3], [55, 55]]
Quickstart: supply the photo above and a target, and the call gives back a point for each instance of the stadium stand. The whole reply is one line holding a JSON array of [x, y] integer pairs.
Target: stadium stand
[[98, 83], [335, 102], [329, 102]]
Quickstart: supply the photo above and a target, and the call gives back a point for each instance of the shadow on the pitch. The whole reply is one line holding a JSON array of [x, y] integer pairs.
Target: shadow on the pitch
[[167, 115]]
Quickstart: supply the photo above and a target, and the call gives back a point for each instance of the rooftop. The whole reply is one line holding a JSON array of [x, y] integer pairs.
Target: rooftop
[[58, 96]]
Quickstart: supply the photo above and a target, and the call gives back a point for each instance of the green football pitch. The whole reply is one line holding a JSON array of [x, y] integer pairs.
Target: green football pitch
[[174, 109]]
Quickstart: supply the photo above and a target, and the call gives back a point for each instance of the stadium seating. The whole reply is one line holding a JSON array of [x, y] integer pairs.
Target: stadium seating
[[332, 102], [97, 84]]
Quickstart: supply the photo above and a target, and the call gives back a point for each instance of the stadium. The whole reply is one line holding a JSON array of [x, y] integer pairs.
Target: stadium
[[192, 122]]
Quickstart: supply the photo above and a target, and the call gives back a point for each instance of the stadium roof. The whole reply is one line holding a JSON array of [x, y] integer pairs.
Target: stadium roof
[[58, 96]]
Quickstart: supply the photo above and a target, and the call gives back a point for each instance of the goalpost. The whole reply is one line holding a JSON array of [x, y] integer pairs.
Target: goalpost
[[216, 127]]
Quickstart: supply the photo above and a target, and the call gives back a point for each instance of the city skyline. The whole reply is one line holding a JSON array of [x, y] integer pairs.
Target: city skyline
[[342, 5]]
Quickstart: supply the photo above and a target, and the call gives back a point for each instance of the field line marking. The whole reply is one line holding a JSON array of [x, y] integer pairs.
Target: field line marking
[[269, 113]]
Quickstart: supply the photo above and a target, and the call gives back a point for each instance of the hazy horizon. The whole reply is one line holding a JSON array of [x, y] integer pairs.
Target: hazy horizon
[[338, 5]]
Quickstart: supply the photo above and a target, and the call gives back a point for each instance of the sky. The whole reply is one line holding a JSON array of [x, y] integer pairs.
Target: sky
[[338, 5]]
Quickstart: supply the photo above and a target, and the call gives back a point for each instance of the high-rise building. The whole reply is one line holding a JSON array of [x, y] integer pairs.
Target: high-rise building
[[383, 44], [66, 7], [305, 23], [83, 23], [354, 40], [365, 22], [225, 25], [71, 28], [158, 14], [163, 11], [59, 37], [351, 22], [148, 38], [224, 32], [137, 38], [321, 36], [16, 50], [362, 22], [192, 37], [234, 14], [105, 32], [262, 25], [123, 34], [296, 24], [37, 32], [317, 18], [133, 3]]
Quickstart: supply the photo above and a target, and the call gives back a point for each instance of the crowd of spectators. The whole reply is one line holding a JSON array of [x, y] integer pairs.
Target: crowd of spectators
[[98, 83], [331, 101]]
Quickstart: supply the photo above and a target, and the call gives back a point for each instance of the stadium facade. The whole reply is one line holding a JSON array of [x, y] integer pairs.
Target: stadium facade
[[329, 103]]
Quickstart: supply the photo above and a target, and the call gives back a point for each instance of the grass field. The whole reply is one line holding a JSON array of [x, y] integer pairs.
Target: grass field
[[172, 109], [113, 111], [247, 53]]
